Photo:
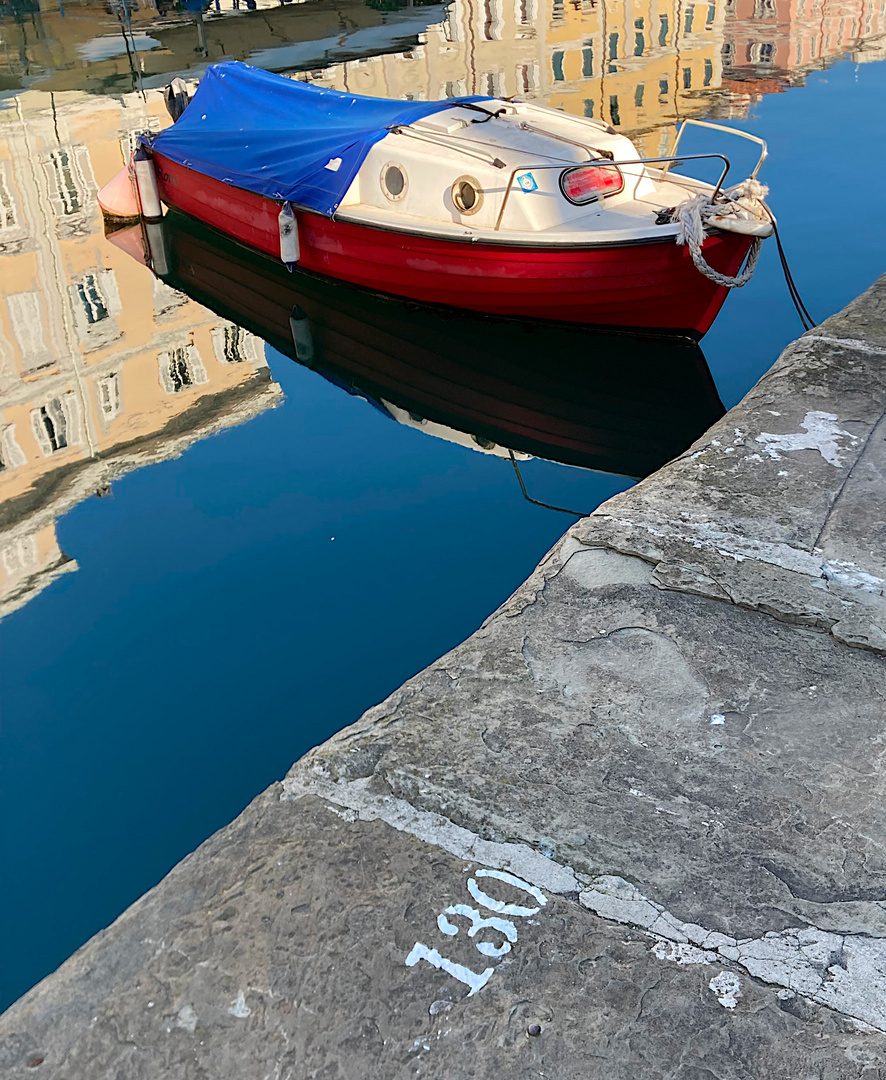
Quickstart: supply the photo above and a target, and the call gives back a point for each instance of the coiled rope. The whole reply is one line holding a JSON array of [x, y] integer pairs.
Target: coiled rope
[[693, 216]]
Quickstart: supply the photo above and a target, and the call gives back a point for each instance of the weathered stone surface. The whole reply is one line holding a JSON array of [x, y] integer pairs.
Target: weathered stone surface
[[634, 826], [294, 967], [775, 508]]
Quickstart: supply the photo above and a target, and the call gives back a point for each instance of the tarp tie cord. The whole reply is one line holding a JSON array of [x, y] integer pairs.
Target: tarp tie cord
[[695, 215], [478, 108]]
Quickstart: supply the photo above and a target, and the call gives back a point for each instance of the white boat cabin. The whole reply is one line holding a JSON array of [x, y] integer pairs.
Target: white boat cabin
[[502, 170]]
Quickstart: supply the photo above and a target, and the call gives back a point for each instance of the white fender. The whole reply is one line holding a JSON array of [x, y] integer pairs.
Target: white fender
[[146, 183], [289, 246]]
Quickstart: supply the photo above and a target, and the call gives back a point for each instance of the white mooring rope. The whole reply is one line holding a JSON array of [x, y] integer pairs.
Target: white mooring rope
[[696, 213]]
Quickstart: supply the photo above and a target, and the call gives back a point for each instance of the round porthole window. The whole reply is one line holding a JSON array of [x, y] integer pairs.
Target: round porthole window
[[467, 195], [393, 181]]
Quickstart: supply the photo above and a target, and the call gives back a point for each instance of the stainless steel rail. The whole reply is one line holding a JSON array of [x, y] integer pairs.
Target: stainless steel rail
[[764, 153], [441, 140], [589, 150], [671, 160]]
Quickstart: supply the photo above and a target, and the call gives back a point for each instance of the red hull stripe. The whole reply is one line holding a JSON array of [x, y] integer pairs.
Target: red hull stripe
[[651, 286]]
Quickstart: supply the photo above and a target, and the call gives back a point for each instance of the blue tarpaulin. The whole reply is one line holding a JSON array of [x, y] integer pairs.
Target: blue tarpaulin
[[281, 138]]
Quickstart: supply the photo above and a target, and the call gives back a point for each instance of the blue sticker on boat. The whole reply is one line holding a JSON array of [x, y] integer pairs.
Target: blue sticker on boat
[[527, 182]]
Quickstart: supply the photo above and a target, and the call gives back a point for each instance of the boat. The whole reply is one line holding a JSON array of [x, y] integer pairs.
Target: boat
[[494, 205], [617, 403]]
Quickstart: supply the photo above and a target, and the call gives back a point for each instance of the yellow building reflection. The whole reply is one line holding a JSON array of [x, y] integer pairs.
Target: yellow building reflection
[[639, 65], [102, 367]]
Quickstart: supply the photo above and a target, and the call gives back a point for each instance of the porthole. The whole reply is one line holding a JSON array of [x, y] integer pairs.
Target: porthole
[[467, 195], [393, 181]]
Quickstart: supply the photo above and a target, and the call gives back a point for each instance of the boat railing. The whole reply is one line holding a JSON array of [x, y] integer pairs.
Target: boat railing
[[723, 129], [436, 139], [671, 161], [589, 150]]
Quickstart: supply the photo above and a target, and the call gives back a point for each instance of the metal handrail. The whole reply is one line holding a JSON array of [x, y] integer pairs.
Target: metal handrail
[[584, 120], [672, 160], [589, 150], [728, 131], [438, 140]]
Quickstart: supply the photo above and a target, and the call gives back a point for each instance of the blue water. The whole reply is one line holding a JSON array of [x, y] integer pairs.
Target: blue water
[[827, 145], [237, 605], [231, 609]]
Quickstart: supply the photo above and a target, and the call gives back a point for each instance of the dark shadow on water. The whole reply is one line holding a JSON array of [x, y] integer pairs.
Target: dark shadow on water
[[604, 401]]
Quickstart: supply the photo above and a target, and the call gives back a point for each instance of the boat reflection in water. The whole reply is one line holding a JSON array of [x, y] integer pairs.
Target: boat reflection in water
[[612, 402]]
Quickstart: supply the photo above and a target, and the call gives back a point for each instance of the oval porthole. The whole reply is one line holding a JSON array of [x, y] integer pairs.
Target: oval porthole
[[467, 195], [393, 181]]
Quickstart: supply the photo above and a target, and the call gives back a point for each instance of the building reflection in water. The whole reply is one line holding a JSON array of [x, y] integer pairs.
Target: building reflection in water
[[109, 49], [102, 367], [637, 64]]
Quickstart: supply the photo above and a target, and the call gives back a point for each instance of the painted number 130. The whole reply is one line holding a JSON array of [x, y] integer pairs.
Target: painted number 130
[[478, 921]]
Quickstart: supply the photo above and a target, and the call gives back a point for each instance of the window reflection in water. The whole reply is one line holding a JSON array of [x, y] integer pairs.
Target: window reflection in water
[[96, 354]]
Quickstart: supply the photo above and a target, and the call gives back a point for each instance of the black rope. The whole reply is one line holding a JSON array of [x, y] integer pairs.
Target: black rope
[[805, 318], [536, 502], [478, 108]]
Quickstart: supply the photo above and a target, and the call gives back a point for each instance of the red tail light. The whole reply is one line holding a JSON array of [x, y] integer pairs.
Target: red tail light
[[590, 182]]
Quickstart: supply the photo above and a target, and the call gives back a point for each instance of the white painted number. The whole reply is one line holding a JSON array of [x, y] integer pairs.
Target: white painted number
[[472, 979], [464, 975], [497, 905], [504, 926]]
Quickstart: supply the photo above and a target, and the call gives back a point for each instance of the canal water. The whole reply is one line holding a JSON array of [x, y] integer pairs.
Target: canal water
[[221, 542]]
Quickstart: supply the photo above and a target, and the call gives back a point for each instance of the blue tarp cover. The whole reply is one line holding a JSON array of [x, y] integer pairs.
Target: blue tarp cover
[[278, 137]]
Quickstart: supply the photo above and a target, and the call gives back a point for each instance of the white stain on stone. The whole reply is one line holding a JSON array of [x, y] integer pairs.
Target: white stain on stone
[[186, 1018], [847, 573], [848, 343], [797, 959], [530, 865], [680, 952], [239, 1008], [727, 987], [820, 432], [844, 972], [704, 536]]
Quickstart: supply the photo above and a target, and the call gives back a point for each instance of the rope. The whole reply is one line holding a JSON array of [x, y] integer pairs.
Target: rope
[[805, 318], [537, 502], [694, 215]]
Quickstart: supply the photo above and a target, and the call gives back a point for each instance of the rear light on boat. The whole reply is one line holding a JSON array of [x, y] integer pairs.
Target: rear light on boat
[[591, 182]]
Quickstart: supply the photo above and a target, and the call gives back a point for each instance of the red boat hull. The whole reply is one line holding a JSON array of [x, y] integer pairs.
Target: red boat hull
[[650, 286]]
